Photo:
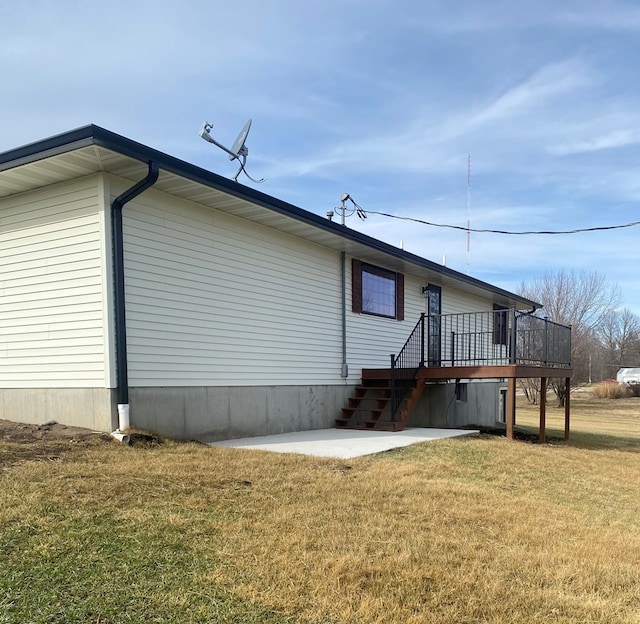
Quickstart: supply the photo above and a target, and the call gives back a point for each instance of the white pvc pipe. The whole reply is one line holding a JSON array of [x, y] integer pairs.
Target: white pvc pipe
[[121, 437], [123, 424], [123, 417]]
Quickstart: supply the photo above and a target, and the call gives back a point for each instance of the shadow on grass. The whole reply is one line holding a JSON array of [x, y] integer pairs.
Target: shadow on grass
[[577, 439], [601, 441]]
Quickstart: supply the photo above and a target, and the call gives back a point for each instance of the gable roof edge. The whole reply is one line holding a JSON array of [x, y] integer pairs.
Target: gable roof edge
[[96, 135]]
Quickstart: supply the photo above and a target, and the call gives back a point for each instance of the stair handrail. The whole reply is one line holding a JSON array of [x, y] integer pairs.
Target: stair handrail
[[413, 347]]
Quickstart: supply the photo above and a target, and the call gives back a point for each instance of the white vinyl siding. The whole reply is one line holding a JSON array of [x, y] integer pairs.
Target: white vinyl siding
[[457, 302], [476, 333], [217, 300], [51, 309]]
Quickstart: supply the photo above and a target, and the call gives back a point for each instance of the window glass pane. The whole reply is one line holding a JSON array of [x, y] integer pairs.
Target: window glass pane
[[379, 292]]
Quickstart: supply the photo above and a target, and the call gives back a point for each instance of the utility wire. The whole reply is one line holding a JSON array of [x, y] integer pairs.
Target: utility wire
[[483, 231]]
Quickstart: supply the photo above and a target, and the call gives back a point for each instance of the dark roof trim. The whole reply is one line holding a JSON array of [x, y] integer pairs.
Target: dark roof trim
[[92, 134], [46, 148]]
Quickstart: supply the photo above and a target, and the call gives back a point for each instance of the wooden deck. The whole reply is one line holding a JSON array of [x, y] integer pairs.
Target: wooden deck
[[502, 371], [510, 372]]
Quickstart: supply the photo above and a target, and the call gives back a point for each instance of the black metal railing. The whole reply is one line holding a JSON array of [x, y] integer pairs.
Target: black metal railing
[[470, 338], [405, 365], [477, 339], [540, 341], [497, 337]]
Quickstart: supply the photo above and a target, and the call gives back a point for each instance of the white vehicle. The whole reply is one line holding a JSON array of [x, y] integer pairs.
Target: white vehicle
[[628, 376]]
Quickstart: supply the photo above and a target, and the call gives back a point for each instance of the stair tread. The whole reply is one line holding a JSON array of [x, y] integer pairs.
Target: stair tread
[[375, 390], [381, 422], [355, 421], [374, 427]]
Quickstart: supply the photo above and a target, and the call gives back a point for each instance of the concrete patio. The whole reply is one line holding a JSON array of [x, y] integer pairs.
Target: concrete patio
[[341, 443]]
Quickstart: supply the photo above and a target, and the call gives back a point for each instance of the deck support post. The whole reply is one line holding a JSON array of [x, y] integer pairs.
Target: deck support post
[[511, 406], [543, 407], [567, 406]]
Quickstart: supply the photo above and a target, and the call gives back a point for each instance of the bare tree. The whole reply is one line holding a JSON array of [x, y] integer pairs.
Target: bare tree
[[577, 298], [531, 388], [581, 299], [620, 337]]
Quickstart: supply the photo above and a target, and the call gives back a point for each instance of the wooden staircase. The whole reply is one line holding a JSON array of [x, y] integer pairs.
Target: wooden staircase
[[370, 407]]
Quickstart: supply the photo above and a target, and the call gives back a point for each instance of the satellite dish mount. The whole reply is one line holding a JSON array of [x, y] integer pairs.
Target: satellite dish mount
[[239, 151]]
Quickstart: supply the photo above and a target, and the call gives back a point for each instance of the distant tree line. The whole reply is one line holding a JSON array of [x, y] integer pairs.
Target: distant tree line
[[604, 336]]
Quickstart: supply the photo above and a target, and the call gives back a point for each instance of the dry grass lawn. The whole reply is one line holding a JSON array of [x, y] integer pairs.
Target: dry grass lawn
[[456, 531], [595, 422]]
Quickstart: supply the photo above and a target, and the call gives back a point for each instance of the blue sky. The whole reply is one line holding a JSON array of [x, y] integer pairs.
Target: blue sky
[[380, 99]]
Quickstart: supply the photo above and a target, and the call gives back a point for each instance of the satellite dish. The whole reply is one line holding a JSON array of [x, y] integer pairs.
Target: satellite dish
[[238, 145], [238, 150]]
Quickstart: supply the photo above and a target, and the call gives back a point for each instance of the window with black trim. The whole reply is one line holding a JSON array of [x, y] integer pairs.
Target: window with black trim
[[377, 291]]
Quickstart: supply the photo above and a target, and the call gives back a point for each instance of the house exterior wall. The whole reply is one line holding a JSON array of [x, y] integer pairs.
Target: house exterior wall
[[52, 315], [438, 406], [234, 328], [371, 339], [210, 413], [457, 302], [92, 408], [213, 300]]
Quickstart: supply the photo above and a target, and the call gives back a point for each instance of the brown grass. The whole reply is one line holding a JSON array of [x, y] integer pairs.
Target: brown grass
[[457, 531], [610, 391], [594, 422]]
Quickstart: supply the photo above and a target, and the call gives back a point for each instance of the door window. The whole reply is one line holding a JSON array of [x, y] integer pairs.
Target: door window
[[434, 324]]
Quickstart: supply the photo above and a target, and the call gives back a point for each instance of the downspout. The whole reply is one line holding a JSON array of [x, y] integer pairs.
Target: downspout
[[122, 376], [345, 368]]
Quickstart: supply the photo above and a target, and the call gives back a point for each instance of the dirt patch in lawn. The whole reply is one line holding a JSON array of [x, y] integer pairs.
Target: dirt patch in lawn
[[48, 442], [21, 433], [21, 442]]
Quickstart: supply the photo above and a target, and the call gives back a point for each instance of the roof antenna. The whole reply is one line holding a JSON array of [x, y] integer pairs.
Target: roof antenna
[[238, 150], [469, 213]]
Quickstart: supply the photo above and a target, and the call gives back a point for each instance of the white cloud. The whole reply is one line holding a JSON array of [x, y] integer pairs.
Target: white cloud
[[548, 82]]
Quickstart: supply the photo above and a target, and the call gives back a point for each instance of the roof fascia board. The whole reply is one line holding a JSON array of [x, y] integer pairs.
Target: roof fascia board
[[40, 150], [197, 174], [92, 134]]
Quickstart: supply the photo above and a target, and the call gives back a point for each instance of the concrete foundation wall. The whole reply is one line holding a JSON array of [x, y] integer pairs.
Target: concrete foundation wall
[[93, 408], [438, 406], [218, 413]]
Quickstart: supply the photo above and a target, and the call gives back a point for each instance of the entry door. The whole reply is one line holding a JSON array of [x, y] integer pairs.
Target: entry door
[[434, 324]]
